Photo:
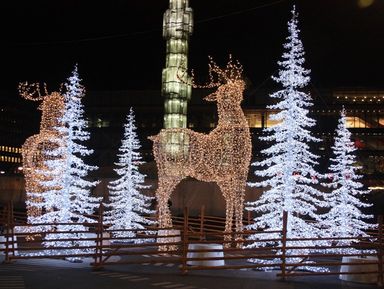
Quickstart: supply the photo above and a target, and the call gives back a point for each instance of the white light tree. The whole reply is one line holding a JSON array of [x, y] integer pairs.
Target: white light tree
[[287, 171], [69, 199], [128, 206], [345, 218]]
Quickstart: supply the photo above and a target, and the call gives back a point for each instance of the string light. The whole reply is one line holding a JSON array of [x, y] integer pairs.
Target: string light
[[67, 193], [345, 217], [287, 171], [222, 156], [35, 147], [127, 203]]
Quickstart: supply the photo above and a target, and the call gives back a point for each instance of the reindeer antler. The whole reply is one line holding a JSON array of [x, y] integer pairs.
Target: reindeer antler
[[32, 91], [217, 75], [233, 71]]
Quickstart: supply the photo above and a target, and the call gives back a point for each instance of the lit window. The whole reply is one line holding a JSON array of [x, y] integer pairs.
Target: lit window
[[254, 119], [271, 122], [355, 122]]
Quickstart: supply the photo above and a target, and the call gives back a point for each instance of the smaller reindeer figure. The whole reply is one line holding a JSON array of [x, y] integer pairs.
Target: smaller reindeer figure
[[35, 147], [222, 156]]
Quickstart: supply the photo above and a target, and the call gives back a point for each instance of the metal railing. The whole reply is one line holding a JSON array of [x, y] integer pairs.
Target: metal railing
[[195, 243]]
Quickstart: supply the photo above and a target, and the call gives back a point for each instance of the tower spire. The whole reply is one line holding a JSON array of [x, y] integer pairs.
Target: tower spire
[[177, 27]]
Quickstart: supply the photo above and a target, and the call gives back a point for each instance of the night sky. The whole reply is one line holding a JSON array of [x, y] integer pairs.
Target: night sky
[[118, 44]]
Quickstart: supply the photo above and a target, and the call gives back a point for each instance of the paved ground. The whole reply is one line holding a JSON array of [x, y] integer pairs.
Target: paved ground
[[60, 274]]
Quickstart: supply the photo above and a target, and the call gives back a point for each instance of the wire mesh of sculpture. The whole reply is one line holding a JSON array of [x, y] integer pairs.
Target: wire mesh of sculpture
[[288, 172], [128, 209], [34, 150], [222, 156], [345, 218]]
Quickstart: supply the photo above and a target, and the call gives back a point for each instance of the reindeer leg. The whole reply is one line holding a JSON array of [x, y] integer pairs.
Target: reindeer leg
[[163, 194], [164, 217], [239, 210], [229, 221], [229, 212]]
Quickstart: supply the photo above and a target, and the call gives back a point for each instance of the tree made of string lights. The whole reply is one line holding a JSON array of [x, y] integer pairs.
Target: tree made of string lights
[[127, 205], [287, 171], [70, 194], [345, 218]]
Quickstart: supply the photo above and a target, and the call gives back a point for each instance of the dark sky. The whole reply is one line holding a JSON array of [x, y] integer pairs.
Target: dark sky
[[118, 43]]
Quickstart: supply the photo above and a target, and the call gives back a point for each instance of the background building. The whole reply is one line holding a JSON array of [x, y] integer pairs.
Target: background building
[[18, 120], [106, 112]]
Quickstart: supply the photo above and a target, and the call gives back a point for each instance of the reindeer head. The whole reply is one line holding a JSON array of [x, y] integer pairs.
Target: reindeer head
[[228, 81], [52, 105]]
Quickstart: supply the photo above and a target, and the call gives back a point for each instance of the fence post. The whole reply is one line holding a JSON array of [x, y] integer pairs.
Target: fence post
[[284, 245], [249, 217], [380, 252], [202, 216], [185, 242], [12, 229], [6, 232]]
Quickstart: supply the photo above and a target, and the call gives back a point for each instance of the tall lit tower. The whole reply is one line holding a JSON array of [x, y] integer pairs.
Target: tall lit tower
[[177, 27]]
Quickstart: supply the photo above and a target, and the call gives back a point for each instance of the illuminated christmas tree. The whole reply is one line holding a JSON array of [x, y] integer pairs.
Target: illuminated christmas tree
[[69, 199], [288, 172], [127, 204], [345, 218]]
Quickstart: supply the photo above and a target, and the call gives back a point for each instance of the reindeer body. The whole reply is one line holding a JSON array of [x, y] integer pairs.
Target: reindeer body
[[35, 147], [222, 156]]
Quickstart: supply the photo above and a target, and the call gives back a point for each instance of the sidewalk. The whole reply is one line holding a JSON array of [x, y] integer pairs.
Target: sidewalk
[[60, 274]]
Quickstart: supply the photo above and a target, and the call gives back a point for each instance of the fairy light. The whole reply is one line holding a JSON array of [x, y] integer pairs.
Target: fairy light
[[287, 171], [68, 197], [345, 217], [127, 203], [222, 156], [35, 147]]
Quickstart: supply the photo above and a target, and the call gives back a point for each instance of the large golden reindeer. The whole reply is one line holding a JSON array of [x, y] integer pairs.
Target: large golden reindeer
[[222, 156], [34, 150]]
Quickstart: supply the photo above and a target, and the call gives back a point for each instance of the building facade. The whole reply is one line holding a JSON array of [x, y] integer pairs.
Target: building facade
[[106, 112], [17, 123]]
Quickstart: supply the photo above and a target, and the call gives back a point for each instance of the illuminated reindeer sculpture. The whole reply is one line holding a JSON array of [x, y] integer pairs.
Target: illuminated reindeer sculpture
[[35, 147], [222, 156]]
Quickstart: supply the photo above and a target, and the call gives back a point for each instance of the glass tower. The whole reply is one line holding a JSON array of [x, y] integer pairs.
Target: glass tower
[[177, 27]]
